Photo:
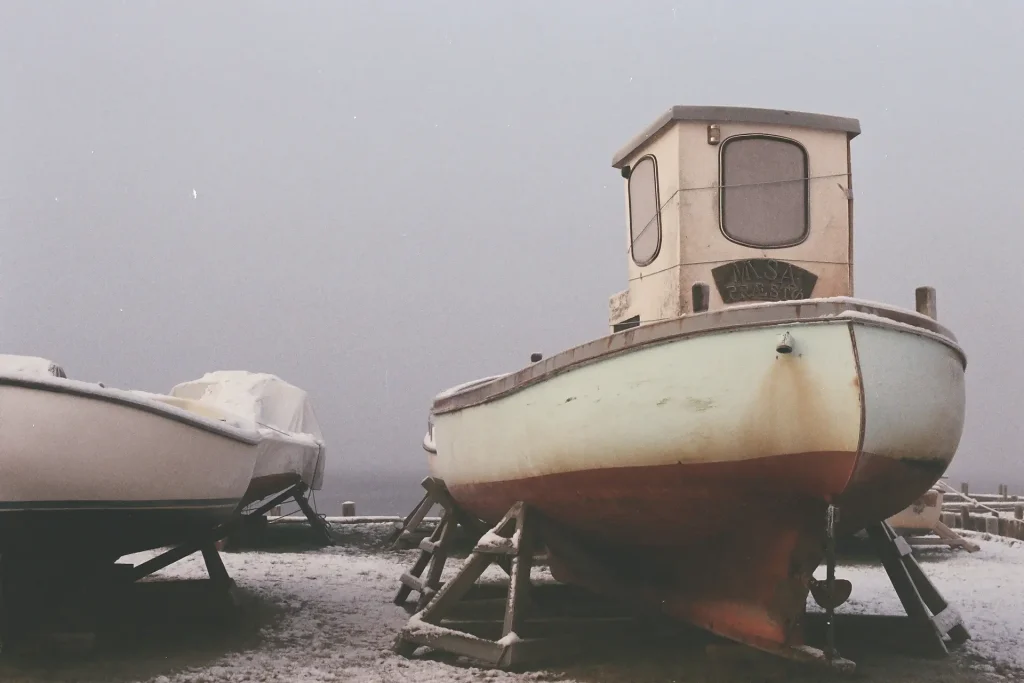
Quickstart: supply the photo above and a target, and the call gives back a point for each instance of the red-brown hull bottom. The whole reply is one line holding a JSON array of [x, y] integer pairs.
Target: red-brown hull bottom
[[729, 547]]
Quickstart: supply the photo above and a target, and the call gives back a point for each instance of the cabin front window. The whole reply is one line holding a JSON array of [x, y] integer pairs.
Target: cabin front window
[[763, 191], [644, 211]]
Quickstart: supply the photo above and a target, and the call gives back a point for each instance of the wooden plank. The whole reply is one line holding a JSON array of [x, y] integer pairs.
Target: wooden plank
[[453, 641], [946, 619], [519, 584], [413, 583], [934, 600], [495, 546], [884, 540], [417, 516], [438, 559], [454, 589], [535, 650], [954, 538], [927, 541], [417, 570]]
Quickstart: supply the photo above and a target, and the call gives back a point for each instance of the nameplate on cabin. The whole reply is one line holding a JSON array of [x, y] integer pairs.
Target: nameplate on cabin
[[762, 279]]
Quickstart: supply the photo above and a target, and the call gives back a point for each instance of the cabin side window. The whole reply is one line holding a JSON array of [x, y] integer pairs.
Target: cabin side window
[[644, 212], [763, 196]]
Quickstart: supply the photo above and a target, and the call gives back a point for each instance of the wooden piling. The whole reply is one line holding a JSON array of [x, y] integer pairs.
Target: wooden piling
[[1018, 512], [965, 518], [348, 509], [963, 487]]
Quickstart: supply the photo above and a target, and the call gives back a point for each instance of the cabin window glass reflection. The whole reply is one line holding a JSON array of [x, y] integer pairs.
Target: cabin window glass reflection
[[644, 212], [763, 191]]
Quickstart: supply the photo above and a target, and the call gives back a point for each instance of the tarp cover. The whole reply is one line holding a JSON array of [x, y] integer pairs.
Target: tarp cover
[[29, 365], [266, 399]]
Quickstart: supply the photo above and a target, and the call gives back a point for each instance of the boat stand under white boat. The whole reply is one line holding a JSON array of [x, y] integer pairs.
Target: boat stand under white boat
[[91, 474]]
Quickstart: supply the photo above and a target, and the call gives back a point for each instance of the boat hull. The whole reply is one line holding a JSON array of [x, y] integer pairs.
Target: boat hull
[[708, 461], [96, 472]]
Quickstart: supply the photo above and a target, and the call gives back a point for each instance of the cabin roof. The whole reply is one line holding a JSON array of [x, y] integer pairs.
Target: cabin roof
[[779, 117]]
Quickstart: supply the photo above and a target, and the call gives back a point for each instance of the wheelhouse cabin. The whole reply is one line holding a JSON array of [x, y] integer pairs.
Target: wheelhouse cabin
[[729, 206]]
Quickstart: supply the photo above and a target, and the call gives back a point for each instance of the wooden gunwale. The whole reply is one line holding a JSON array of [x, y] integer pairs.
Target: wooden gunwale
[[804, 312]]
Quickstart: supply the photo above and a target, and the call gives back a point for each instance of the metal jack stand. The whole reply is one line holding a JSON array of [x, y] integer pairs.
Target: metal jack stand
[[257, 523], [317, 522], [207, 544], [830, 584]]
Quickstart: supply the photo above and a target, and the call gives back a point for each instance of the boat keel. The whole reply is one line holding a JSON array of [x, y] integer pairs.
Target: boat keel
[[752, 592], [751, 589]]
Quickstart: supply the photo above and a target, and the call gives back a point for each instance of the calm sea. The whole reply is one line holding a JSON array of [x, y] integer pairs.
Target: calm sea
[[374, 493]]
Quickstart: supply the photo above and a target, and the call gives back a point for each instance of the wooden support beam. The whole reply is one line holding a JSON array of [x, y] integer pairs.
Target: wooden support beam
[[411, 580], [414, 518], [954, 539], [316, 522], [425, 575], [924, 604], [519, 584], [215, 566], [184, 550], [436, 624]]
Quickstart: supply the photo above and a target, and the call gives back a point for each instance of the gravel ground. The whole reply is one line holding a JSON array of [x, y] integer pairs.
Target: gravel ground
[[326, 615]]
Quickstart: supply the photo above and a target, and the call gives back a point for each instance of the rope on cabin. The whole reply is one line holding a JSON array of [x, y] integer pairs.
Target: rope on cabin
[[724, 187]]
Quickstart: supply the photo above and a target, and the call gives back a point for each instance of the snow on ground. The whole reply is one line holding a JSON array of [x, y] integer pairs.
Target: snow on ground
[[986, 587], [334, 620], [340, 624]]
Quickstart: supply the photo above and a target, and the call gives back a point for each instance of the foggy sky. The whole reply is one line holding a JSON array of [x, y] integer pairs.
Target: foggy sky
[[392, 198]]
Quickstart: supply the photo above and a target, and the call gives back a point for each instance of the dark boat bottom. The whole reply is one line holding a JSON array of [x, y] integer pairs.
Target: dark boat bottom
[[106, 530], [730, 547], [73, 536]]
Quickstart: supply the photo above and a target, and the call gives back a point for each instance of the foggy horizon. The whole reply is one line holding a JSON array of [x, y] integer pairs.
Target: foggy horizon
[[379, 202]]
